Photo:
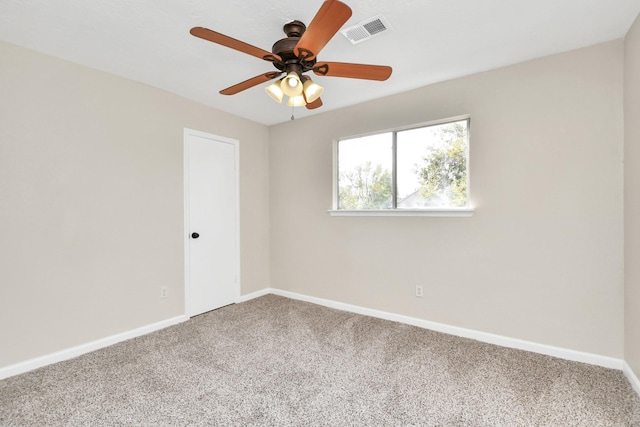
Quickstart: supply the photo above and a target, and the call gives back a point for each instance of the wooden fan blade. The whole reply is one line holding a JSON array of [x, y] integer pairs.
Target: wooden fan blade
[[315, 104], [221, 39], [331, 16], [353, 71], [232, 90]]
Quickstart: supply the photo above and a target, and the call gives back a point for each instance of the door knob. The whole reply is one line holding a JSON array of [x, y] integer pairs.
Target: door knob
[[195, 235]]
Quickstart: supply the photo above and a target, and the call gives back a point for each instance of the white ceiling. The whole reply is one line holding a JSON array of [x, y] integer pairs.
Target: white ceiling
[[430, 41]]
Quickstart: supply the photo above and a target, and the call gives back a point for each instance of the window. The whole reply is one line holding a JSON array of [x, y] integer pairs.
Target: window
[[421, 169]]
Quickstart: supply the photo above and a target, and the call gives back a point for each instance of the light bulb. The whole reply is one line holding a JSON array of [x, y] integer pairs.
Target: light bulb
[[296, 101], [275, 92], [312, 90], [291, 85]]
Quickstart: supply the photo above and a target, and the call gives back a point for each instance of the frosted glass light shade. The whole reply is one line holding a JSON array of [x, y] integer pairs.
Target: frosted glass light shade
[[312, 90], [291, 85], [296, 101], [275, 92]]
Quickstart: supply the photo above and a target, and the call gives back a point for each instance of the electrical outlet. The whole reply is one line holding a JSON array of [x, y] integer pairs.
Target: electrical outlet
[[164, 292], [419, 291]]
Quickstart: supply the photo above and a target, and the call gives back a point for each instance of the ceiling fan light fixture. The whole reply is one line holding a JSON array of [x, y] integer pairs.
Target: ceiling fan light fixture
[[311, 90], [291, 85], [296, 55], [275, 92], [296, 101]]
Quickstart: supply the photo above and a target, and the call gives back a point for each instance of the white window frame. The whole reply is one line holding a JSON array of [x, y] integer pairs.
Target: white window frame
[[466, 211]]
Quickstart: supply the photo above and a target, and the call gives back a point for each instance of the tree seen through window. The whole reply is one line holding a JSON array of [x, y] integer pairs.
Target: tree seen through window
[[430, 165]]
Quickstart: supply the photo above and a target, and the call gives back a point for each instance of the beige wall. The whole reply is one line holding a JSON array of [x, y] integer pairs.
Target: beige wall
[[91, 202], [91, 205], [631, 196], [540, 260]]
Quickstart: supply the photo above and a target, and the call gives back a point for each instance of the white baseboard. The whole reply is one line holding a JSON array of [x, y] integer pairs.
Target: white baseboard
[[562, 353], [59, 356], [252, 295], [631, 376]]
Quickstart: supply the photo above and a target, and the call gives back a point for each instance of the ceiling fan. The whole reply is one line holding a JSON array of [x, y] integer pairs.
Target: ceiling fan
[[297, 54]]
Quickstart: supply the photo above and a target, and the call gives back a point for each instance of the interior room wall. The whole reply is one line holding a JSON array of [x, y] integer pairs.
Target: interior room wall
[[540, 260], [631, 196], [91, 202]]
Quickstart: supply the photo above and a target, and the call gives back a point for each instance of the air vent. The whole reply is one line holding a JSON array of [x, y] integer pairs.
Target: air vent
[[366, 29]]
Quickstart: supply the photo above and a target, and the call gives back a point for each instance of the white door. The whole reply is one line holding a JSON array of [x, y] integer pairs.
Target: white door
[[211, 222]]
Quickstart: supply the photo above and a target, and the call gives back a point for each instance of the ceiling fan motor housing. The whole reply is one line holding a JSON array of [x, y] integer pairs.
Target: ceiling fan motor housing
[[284, 48]]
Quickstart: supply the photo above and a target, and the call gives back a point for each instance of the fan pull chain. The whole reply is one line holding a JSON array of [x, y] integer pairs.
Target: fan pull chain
[[292, 118]]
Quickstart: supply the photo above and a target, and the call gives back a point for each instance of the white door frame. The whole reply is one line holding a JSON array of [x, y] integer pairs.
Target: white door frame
[[187, 133]]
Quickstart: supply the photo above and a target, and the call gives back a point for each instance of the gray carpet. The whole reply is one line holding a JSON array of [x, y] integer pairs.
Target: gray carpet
[[279, 362]]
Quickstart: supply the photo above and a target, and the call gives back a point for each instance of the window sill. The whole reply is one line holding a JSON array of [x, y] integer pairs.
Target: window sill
[[457, 213]]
